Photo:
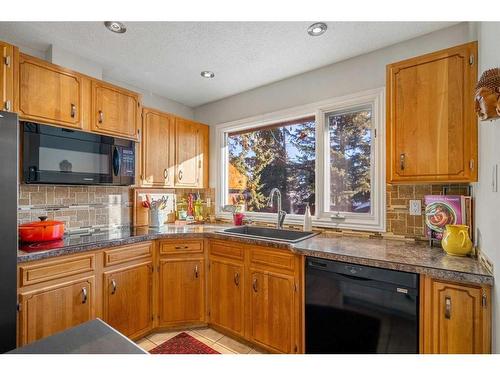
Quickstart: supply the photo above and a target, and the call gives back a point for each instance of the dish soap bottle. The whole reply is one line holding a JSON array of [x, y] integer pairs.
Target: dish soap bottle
[[307, 219]]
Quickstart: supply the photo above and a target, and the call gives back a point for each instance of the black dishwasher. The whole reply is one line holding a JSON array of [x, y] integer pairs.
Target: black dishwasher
[[359, 309]]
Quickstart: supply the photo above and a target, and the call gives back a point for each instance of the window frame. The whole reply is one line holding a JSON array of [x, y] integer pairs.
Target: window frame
[[359, 221]]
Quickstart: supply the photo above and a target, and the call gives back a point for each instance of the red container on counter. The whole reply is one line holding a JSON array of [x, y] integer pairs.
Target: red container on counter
[[238, 218], [40, 231]]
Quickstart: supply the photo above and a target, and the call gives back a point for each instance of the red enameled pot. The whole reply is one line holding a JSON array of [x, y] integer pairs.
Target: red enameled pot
[[40, 231]]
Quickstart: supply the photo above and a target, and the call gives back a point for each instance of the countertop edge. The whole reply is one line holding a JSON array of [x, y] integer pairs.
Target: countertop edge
[[440, 273]]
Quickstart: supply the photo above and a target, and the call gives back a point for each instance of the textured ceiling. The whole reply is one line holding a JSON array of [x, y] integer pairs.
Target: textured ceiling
[[167, 57]]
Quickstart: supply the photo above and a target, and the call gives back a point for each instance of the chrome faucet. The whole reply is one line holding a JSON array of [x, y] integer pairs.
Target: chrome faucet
[[281, 213]]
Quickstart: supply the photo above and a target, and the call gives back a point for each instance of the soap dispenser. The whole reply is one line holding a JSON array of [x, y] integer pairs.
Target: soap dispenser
[[307, 219]]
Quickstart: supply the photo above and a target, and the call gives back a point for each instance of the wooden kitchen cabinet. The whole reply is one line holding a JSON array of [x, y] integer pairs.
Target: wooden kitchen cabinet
[[128, 298], [181, 291], [49, 93], [226, 284], [431, 123], [8, 66], [455, 318], [191, 154], [158, 143], [272, 311], [115, 111], [51, 309]]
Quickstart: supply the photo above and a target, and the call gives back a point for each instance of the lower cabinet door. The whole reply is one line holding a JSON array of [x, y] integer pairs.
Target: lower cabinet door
[[181, 291], [272, 311], [456, 318], [49, 310], [226, 295], [128, 299]]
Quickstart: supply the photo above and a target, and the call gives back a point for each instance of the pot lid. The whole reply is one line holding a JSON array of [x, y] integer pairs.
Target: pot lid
[[42, 223]]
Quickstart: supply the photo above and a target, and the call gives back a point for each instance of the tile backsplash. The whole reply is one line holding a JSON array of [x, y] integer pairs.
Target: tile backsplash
[[104, 206], [76, 206], [399, 220]]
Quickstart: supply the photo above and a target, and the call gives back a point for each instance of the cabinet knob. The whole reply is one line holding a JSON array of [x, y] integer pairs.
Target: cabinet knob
[[113, 286], [254, 285], [73, 111], [180, 175], [84, 295], [447, 307], [101, 117], [237, 279]]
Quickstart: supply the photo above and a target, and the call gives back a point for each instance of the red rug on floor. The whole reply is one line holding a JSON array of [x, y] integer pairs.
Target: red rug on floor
[[183, 344]]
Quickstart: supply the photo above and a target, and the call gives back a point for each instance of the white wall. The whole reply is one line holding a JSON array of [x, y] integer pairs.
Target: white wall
[[488, 202], [350, 76]]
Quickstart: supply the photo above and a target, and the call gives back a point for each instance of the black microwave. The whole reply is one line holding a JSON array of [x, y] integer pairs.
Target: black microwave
[[54, 155]]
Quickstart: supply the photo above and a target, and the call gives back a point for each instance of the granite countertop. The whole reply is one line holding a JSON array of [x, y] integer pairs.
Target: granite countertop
[[408, 256], [92, 337]]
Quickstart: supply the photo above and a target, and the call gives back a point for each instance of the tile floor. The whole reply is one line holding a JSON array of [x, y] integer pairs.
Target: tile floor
[[208, 336]]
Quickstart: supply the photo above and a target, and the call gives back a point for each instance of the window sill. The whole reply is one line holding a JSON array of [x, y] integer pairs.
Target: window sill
[[298, 220]]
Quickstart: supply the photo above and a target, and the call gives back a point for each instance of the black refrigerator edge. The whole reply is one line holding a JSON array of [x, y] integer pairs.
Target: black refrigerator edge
[[9, 169]]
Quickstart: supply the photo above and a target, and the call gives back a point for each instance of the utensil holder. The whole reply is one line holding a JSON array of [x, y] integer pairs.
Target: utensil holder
[[157, 217]]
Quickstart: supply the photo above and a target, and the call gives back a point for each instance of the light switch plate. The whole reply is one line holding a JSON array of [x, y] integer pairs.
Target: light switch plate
[[415, 207]]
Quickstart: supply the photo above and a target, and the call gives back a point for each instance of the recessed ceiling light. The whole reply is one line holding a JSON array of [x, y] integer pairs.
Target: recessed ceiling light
[[115, 26], [317, 29], [207, 74]]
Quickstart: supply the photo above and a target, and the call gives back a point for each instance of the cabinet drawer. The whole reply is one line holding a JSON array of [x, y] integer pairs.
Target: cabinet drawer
[[55, 269], [272, 257], [127, 253], [174, 247], [226, 250]]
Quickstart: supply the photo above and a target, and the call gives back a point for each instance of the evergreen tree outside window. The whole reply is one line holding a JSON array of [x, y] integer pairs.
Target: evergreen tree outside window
[[280, 155], [350, 142]]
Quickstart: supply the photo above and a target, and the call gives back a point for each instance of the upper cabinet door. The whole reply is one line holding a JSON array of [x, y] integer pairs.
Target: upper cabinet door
[[7, 66], [157, 149], [431, 124], [49, 93], [187, 148], [115, 111]]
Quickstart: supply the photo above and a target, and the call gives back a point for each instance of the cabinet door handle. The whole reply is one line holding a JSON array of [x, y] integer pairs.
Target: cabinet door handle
[[165, 174], [84, 295], [101, 117], [196, 271], [113, 285], [73, 111], [447, 307], [402, 161], [180, 175], [237, 279], [254, 285]]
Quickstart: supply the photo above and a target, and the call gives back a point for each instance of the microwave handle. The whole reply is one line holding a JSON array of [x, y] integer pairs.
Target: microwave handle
[[116, 161]]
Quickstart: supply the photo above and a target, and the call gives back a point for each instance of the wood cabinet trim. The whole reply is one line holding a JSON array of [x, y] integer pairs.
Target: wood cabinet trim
[[127, 253], [55, 269], [177, 247]]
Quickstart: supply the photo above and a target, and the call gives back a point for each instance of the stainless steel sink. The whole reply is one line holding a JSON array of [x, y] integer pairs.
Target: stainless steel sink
[[283, 235]]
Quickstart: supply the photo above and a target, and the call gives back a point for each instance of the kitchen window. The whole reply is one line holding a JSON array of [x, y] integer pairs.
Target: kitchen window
[[279, 155], [328, 155]]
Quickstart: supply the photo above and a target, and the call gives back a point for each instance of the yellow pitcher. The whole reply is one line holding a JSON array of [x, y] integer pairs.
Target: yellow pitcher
[[456, 240]]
